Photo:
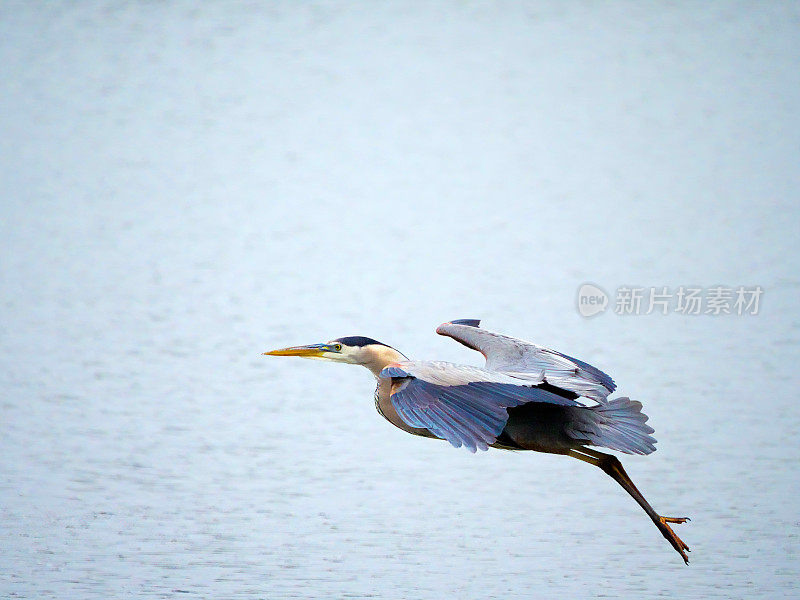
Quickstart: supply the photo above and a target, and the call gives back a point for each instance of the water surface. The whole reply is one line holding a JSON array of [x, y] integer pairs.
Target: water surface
[[185, 187]]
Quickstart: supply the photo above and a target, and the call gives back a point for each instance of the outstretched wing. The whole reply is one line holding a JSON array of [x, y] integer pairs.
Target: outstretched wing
[[507, 354], [461, 404]]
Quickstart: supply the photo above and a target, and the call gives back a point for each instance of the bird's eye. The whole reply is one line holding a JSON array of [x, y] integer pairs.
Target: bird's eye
[[337, 347]]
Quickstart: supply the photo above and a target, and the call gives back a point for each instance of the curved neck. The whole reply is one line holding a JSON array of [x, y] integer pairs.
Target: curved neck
[[379, 357]]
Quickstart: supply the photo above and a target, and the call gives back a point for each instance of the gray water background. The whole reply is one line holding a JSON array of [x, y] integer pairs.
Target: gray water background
[[185, 186]]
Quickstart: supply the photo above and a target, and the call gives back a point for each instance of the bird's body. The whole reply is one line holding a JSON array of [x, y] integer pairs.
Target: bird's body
[[526, 397], [533, 426], [384, 406]]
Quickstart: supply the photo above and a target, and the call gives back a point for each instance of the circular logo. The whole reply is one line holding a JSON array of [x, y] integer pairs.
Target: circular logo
[[592, 300]]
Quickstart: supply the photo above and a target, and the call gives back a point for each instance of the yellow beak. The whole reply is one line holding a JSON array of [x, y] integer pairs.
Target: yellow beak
[[310, 351]]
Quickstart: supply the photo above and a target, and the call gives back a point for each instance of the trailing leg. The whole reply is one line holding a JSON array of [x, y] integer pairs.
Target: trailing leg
[[610, 465]]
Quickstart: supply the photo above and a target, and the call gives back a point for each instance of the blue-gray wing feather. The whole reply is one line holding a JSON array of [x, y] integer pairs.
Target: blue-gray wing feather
[[511, 355], [466, 406], [603, 378]]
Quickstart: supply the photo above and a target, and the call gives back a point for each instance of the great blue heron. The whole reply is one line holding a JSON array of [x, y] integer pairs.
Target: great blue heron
[[526, 397]]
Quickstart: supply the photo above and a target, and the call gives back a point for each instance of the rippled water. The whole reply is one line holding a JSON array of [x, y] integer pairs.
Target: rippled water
[[185, 187]]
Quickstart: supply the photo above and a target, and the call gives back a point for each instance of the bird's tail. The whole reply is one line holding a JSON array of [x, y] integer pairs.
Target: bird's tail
[[619, 425]]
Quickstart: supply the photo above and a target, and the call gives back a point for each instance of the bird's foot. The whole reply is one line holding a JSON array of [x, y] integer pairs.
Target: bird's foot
[[671, 536], [674, 519]]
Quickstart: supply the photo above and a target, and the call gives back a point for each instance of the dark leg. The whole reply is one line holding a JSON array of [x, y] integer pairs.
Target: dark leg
[[610, 464]]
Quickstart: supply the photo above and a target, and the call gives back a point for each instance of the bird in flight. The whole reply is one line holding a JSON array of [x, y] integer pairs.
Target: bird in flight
[[526, 397]]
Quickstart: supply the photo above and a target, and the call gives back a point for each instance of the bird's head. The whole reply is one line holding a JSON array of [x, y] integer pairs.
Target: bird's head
[[354, 350]]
